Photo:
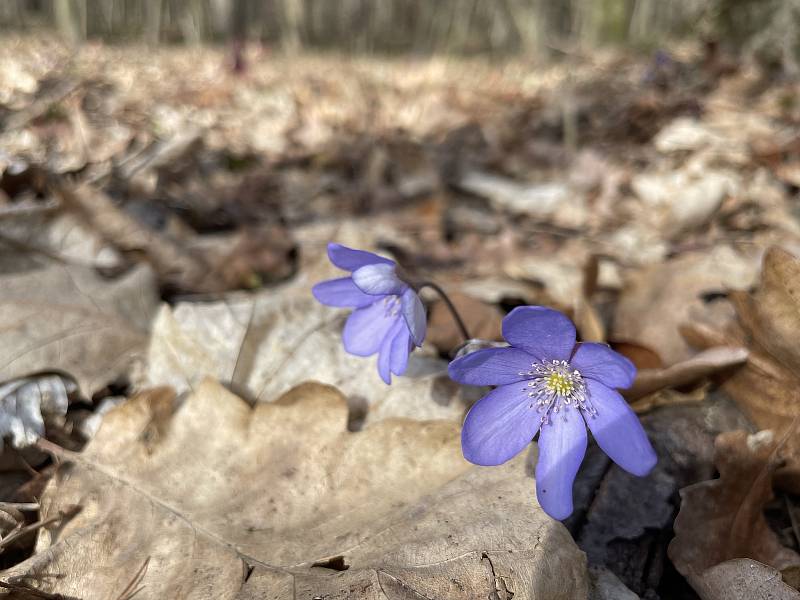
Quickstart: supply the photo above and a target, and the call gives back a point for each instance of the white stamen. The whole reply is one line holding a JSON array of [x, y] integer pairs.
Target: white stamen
[[554, 386]]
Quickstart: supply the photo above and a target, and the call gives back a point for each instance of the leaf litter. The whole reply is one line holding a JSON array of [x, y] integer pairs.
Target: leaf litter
[[168, 235]]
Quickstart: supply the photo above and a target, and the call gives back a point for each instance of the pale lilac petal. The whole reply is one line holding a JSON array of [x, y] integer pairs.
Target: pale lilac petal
[[543, 332], [378, 280], [366, 329], [401, 346], [414, 314], [385, 352], [350, 259], [562, 446], [341, 292], [491, 366], [600, 362], [618, 431], [499, 426]]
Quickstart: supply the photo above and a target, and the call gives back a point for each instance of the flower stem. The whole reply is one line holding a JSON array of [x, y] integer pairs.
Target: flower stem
[[453, 312]]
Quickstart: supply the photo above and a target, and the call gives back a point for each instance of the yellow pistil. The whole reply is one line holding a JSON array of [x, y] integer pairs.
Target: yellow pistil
[[559, 383]]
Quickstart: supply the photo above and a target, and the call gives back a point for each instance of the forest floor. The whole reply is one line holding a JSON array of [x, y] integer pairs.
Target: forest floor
[[163, 218]]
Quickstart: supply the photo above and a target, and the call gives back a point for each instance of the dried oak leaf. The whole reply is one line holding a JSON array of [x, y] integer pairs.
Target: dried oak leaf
[[723, 519], [743, 579], [266, 343], [767, 324], [657, 299], [688, 371], [67, 318], [281, 501]]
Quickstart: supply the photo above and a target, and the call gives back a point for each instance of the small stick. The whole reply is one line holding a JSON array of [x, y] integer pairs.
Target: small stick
[[453, 312], [54, 450], [792, 519], [22, 506], [32, 591], [131, 589], [68, 512]]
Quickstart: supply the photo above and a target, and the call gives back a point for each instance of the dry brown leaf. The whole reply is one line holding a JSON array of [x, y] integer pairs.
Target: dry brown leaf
[[216, 486], [659, 298], [723, 519], [265, 344], [703, 365], [60, 235], [68, 319], [481, 320], [681, 200], [744, 579], [772, 315], [174, 264], [766, 388]]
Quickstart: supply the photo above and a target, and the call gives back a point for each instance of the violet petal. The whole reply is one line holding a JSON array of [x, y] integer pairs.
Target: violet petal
[[414, 315], [401, 346], [491, 366], [366, 329], [341, 292], [562, 446], [543, 332], [499, 426], [385, 352], [350, 259], [601, 363], [378, 280], [618, 432]]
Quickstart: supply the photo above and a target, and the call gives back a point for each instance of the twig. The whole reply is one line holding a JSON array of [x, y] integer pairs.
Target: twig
[[32, 591], [23, 506], [792, 519], [68, 512], [131, 589], [54, 450]]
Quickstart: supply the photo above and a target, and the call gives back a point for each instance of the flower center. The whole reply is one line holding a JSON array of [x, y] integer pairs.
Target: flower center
[[554, 386], [559, 383]]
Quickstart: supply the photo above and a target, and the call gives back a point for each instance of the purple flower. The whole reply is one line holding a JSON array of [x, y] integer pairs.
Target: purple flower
[[388, 318], [547, 383]]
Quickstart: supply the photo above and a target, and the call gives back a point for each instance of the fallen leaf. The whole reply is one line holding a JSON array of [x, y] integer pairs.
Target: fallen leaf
[[772, 314], [607, 586], [708, 362], [280, 499], [659, 298], [551, 200], [744, 579], [263, 345], [67, 318], [61, 235], [481, 320], [683, 200], [723, 519], [175, 264], [766, 387]]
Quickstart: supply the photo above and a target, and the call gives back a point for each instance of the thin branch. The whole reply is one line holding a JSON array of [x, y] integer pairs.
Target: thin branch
[[133, 587], [65, 513]]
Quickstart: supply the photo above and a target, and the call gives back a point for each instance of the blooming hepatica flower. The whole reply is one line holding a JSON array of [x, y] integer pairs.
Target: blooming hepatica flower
[[388, 319], [549, 384]]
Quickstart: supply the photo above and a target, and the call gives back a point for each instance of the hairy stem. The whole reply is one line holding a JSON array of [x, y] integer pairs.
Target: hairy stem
[[453, 312]]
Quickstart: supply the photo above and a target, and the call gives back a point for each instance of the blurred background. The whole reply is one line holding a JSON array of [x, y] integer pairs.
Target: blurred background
[[533, 29], [172, 170]]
